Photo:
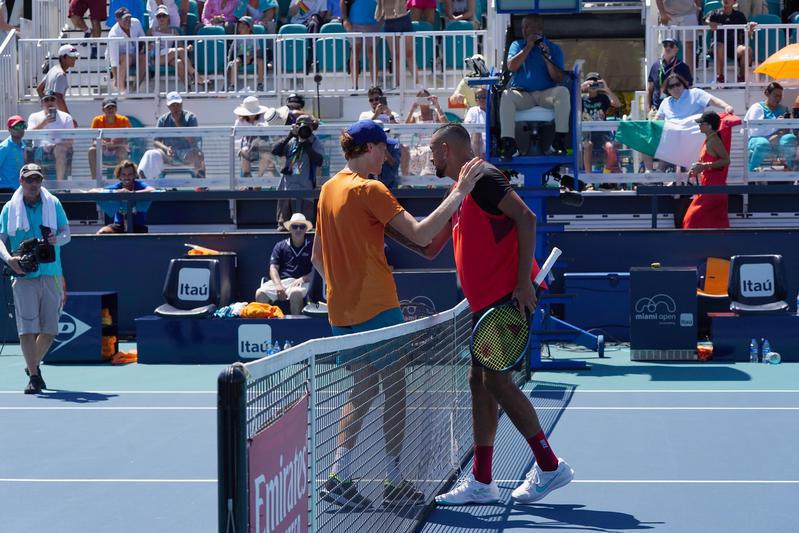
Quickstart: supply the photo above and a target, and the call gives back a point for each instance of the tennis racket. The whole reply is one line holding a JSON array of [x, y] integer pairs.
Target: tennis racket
[[502, 335]]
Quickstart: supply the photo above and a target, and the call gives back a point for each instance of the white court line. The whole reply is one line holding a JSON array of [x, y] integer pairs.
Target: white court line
[[676, 481], [90, 480], [123, 392], [105, 408], [657, 391]]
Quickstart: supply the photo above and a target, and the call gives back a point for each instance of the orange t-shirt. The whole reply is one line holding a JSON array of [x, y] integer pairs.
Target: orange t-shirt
[[352, 215], [121, 122]]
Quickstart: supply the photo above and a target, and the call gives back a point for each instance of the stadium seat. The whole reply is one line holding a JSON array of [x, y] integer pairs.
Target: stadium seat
[[423, 45], [332, 53], [708, 6], [458, 48], [712, 295], [768, 41], [210, 52], [757, 285], [192, 289], [292, 51], [774, 9], [452, 117]]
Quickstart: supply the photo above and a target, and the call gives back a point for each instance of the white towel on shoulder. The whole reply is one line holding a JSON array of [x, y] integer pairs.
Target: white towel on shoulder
[[18, 216]]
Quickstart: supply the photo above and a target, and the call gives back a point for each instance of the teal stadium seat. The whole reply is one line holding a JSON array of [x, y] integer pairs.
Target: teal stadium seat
[[192, 18], [708, 6], [458, 48], [452, 117], [423, 45], [293, 50], [210, 52], [770, 40], [283, 10], [332, 53], [774, 9]]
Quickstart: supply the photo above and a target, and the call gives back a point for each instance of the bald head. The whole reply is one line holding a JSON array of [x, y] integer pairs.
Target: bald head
[[453, 135]]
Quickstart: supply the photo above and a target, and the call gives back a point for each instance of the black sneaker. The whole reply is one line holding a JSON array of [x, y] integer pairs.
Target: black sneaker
[[41, 378], [507, 148], [35, 385], [403, 493], [344, 493]]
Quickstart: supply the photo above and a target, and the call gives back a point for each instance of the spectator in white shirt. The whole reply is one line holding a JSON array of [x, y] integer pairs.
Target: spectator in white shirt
[[128, 51], [380, 110], [172, 9], [477, 115], [51, 118], [309, 13]]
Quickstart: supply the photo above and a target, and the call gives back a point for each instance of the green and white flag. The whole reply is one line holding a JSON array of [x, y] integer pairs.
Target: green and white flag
[[677, 141]]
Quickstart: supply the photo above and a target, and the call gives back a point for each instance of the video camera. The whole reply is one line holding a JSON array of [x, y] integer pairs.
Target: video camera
[[31, 252]]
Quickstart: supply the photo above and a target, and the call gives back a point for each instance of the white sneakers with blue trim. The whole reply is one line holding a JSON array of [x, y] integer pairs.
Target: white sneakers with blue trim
[[538, 483]]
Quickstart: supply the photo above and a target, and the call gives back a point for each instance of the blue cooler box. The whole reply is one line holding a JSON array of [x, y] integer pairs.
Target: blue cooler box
[[601, 301]]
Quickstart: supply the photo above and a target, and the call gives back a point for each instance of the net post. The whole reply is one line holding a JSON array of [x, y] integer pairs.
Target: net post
[[312, 526], [232, 450]]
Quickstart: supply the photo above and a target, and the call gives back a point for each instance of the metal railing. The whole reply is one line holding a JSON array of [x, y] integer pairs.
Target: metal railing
[[278, 63], [49, 16], [8, 72], [220, 147], [707, 45]]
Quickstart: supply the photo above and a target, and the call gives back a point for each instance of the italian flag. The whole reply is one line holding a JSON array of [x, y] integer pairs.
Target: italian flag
[[676, 141]]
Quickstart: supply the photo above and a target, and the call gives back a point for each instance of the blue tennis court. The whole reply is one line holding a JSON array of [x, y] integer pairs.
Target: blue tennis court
[[667, 447]]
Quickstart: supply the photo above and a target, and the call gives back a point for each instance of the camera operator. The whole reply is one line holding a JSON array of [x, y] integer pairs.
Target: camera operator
[[304, 154], [35, 225]]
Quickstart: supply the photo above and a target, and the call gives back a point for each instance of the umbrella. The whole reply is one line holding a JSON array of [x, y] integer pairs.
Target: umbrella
[[783, 64]]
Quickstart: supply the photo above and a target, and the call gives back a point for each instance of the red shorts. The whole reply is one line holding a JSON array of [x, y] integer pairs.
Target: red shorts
[[97, 9]]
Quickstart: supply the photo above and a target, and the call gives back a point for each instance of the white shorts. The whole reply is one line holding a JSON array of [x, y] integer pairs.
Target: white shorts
[[37, 304], [268, 289]]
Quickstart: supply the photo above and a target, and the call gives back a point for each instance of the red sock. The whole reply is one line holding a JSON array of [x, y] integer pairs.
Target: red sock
[[481, 468], [544, 455]]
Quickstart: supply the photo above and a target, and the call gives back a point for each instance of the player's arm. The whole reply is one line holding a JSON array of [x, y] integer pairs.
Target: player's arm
[[514, 208], [316, 255], [430, 251]]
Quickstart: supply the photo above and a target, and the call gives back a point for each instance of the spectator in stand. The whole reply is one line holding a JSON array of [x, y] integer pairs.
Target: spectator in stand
[[537, 67], [766, 141], [358, 16], [220, 13], [290, 268], [294, 108], [55, 81], [751, 8], [461, 10], [684, 101], [333, 11], [380, 109], [168, 51], [253, 148], [477, 115], [52, 118], [12, 154], [171, 9], [176, 150], [597, 100], [681, 13], [126, 173], [304, 154], [667, 64], [5, 22], [263, 12], [309, 13], [390, 171], [423, 10], [97, 14], [426, 110], [245, 52], [730, 43], [111, 147], [396, 18], [128, 52]]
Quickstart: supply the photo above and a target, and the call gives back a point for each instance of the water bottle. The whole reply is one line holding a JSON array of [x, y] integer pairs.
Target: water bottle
[[270, 350], [766, 351], [753, 351], [276, 347], [287, 345]]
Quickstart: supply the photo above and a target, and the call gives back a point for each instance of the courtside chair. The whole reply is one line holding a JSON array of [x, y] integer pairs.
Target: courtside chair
[[192, 289], [712, 294], [757, 285], [423, 45]]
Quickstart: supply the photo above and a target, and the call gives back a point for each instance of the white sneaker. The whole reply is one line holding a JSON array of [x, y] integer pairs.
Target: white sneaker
[[538, 483], [469, 490]]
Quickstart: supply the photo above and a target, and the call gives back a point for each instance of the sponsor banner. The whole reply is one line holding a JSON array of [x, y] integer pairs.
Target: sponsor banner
[[757, 280], [193, 284], [663, 309], [278, 474], [254, 340]]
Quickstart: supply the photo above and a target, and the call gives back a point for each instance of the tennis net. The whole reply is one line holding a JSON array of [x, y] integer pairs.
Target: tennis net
[[280, 423]]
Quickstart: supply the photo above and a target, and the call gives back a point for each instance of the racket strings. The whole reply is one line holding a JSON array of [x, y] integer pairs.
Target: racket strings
[[501, 338]]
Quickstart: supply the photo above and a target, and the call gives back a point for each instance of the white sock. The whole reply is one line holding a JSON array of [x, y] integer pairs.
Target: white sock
[[341, 467], [393, 470]]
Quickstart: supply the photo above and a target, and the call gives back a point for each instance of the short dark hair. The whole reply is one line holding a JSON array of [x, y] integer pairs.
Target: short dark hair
[[773, 86], [453, 133], [123, 165], [674, 77], [374, 90], [350, 149]]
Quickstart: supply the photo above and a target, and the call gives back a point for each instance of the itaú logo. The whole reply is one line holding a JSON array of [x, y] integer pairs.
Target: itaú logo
[[757, 280], [193, 284], [254, 340]]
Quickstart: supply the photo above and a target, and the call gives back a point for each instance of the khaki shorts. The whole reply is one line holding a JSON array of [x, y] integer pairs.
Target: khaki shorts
[[37, 304]]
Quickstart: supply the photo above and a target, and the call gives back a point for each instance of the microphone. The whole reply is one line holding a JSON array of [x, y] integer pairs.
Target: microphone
[[538, 41]]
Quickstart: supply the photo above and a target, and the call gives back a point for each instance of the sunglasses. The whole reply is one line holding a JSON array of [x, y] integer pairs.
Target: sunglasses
[[479, 97], [32, 179], [49, 99], [162, 15], [297, 226], [19, 126], [669, 45], [374, 99], [673, 85]]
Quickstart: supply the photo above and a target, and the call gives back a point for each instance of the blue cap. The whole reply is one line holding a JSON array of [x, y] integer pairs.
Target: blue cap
[[367, 131]]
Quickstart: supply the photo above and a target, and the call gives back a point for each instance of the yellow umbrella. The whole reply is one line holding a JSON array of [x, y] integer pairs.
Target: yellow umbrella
[[783, 64]]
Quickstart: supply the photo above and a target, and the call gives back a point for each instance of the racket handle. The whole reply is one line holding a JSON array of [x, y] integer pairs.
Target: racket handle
[[547, 266]]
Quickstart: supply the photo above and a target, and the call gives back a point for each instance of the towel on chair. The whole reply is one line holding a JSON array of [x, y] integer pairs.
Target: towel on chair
[[18, 216]]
